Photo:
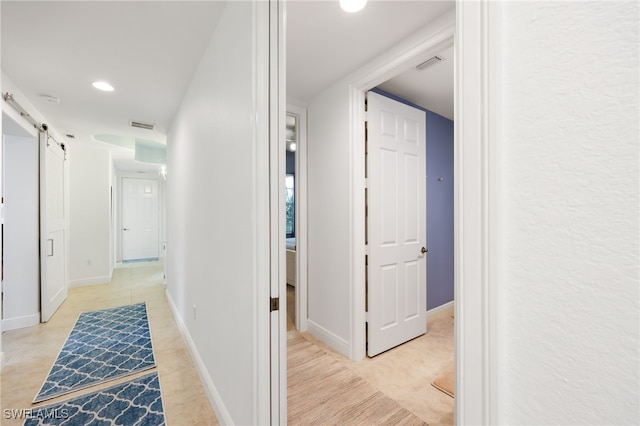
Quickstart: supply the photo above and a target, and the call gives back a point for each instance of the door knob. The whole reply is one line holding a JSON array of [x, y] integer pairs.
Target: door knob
[[423, 250]]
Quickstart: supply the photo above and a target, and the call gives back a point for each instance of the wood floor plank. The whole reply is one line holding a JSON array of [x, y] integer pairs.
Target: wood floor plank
[[322, 391]]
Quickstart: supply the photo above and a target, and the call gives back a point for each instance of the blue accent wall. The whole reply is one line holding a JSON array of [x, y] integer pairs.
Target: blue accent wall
[[439, 133], [439, 210]]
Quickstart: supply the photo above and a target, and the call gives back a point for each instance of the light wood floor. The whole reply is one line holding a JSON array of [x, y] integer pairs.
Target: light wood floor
[[399, 379], [324, 386]]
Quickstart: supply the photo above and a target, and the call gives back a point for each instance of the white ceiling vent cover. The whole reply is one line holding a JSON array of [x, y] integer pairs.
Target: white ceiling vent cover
[[142, 125]]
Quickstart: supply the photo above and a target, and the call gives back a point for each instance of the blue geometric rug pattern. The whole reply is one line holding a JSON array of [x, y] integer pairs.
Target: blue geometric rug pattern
[[103, 345], [136, 402]]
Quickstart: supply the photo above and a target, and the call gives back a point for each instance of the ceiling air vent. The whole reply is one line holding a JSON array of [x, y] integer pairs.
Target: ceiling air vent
[[141, 125], [431, 61]]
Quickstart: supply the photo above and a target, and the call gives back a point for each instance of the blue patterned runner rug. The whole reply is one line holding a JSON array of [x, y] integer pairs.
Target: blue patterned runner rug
[[103, 345], [136, 402]]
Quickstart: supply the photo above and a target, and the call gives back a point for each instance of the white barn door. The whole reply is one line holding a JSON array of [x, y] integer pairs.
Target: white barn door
[[140, 219], [396, 223], [53, 219]]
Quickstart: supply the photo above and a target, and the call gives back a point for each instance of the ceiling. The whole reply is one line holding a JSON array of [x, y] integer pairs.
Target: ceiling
[[148, 51]]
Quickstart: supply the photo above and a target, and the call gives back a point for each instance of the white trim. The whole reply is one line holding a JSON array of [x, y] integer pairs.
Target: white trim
[[1, 360], [435, 311], [268, 356], [210, 389], [105, 279], [476, 154], [20, 322], [357, 237], [301, 216], [324, 335]]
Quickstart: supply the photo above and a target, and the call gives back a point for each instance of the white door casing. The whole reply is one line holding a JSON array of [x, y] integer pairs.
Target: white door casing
[[53, 282], [140, 219], [396, 164]]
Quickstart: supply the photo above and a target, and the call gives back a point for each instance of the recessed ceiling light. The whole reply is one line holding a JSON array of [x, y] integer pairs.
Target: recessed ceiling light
[[103, 85], [352, 6]]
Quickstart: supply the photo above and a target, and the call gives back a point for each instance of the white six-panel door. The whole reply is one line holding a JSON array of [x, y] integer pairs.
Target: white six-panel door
[[140, 219], [53, 283], [396, 223]]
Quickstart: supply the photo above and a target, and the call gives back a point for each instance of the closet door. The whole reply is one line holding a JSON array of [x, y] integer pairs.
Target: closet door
[[53, 219]]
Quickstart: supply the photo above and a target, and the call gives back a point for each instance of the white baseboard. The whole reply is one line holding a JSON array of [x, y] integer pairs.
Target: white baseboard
[[209, 387], [1, 360], [336, 342], [105, 279], [20, 322], [439, 309]]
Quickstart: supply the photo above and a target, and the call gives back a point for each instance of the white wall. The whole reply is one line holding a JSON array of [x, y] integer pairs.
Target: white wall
[[90, 255], [21, 262], [328, 168], [569, 317], [214, 237]]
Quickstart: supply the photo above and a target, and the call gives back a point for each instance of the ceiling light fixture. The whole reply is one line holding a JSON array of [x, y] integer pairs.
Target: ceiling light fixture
[[103, 85], [352, 6]]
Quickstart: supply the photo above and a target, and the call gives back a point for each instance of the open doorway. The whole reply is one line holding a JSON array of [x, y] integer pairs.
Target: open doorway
[[295, 217], [336, 188], [21, 218]]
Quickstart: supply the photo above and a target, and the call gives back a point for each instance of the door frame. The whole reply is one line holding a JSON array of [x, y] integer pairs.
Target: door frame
[[426, 44], [477, 149], [118, 195], [300, 215], [142, 176]]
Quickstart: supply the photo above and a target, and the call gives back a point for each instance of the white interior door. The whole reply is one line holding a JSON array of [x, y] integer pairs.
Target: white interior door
[[140, 219], [396, 223], [53, 282]]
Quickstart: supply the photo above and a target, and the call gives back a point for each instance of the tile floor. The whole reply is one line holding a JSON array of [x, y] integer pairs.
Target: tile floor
[[30, 352], [404, 373]]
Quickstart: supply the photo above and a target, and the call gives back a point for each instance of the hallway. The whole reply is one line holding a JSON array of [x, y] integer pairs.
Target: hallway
[[401, 376], [30, 352]]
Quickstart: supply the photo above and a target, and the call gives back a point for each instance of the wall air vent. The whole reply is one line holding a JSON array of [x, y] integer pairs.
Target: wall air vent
[[142, 125], [428, 63]]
